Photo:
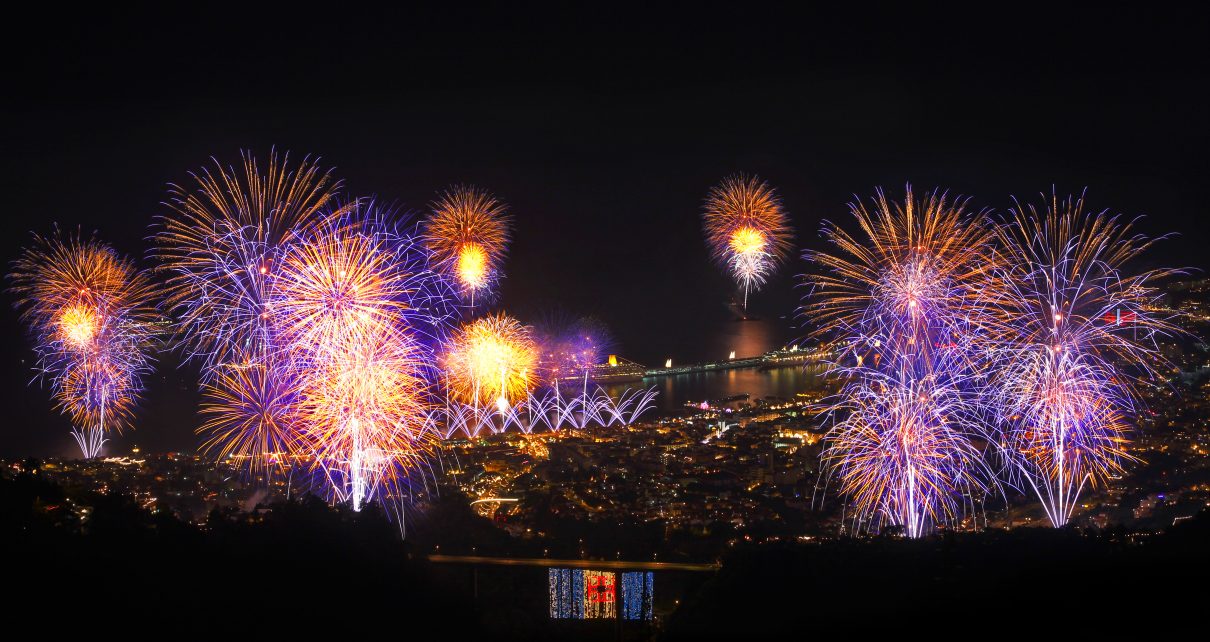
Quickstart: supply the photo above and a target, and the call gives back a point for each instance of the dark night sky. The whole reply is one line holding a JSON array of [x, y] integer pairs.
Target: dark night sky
[[602, 129]]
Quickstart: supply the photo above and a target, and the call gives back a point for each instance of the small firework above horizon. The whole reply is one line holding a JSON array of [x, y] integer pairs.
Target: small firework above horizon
[[92, 320], [468, 235], [746, 230]]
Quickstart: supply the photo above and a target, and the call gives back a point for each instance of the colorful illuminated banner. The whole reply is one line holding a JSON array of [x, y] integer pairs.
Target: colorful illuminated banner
[[589, 595]]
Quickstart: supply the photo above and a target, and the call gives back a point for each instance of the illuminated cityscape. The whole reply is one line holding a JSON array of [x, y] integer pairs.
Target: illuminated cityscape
[[716, 322]]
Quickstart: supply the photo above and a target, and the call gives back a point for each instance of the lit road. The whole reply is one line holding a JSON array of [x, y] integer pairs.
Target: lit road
[[588, 564]]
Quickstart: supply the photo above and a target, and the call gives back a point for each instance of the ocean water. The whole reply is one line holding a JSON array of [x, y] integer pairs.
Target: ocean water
[[715, 343]]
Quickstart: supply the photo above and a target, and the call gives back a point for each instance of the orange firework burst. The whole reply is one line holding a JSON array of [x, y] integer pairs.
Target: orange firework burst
[[220, 247], [491, 361], [90, 313], [467, 235], [343, 284], [746, 229], [249, 416], [66, 283]]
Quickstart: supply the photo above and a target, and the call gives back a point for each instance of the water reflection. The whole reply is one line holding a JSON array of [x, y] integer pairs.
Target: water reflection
[[746, 339], [676, 390]]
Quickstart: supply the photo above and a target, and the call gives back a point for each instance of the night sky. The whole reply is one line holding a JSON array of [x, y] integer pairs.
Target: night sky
[[603, 130]]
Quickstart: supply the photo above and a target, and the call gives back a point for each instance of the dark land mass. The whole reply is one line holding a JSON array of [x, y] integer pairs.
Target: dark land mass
[[82, 561]]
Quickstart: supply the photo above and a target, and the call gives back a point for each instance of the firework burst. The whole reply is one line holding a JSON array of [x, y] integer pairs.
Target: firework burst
[[221, 247], [358, 310], [570, 347], [1082, 333], [341, 376], [468, 235], [344, 284], [904, 301], [491, 361], [250, 416], [90, 315], [926, 260], [746, 230], [365, 409]]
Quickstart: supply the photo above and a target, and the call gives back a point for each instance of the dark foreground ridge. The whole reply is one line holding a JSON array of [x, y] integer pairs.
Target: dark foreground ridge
[[85, 561]]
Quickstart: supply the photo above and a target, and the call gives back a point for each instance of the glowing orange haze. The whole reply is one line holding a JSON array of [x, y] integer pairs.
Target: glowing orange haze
[[747, 240], [78, 325], [472, 266]]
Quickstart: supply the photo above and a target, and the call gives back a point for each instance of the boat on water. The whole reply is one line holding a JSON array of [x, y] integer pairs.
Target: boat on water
[[617, 370]]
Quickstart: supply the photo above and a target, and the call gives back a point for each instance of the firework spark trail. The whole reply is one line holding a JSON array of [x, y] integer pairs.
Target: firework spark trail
[[220, 248], [902, 452], [468, 236], [746, 230], [90, 315], [1079, 335], [905, 301]]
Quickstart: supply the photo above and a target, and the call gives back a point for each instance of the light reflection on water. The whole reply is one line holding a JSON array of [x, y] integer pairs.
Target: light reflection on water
[[746, 339], [779, 382]]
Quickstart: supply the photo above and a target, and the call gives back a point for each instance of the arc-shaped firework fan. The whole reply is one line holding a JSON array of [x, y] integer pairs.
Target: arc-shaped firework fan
[[498, 376]]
